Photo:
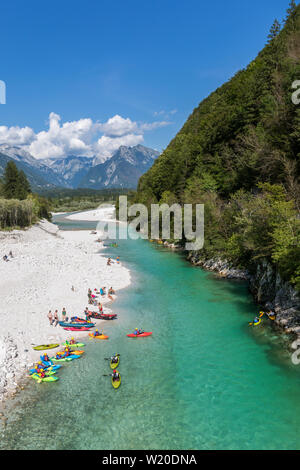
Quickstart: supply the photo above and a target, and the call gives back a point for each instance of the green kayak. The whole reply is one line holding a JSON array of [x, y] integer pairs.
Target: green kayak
[[50, 378], [64, 359], [76, 345], [45, 346]]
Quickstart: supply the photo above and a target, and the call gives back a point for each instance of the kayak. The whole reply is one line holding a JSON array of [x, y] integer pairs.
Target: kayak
[[84, 328], [132, 335], [79, 320], [104, 316], [255, 323], [47, 370], [67, 358], [45, 346], [51, 378], [272, 317], [75, 345], [114, 365], [116, 383], [77, 324], [98, 337], [77, 352]]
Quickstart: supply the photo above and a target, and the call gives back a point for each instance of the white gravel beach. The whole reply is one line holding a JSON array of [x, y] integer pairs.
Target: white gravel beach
[[46, 264]]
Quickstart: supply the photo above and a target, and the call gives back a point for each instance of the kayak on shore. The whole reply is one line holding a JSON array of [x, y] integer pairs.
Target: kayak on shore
[[83, 328], [39, 379], [73, 345], [41, 347], [77, 325]]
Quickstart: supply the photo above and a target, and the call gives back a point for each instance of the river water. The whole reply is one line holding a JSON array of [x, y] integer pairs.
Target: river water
[[204, 380]]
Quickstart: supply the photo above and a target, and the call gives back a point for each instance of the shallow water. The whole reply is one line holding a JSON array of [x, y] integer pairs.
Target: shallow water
[[204, 380]]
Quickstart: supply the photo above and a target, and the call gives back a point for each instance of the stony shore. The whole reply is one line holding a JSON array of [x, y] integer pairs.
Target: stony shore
[[46, 264]]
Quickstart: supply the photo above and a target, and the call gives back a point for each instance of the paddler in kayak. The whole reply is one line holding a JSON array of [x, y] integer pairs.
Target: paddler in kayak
[[72, 341], [115, 375], [138, 331], [45, 357], [96, 333], [114, 359]]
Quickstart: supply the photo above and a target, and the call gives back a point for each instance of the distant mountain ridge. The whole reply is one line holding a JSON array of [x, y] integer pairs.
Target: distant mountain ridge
[[123, 169]]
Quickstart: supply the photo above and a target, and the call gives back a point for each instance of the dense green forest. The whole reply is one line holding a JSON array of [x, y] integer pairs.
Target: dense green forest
[[238, 153], [69, 200], [19, 207]]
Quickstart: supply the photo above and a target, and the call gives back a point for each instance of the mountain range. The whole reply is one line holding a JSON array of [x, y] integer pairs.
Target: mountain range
[[122, 170]]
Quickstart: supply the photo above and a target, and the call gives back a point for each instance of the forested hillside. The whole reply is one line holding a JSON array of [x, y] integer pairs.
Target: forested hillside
[[238, 153]]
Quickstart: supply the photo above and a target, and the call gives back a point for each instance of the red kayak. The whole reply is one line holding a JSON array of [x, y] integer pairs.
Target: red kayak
[[83, 328], [132, 335]]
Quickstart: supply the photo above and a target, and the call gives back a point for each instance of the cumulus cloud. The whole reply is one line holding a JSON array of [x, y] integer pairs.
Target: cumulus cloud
[[83, 137], [16, 135]]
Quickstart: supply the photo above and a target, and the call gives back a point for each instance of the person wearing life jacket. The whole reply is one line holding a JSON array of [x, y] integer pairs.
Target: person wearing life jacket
[[256, 320], [115, 375], [46, 357], [42, 374], [72, 341], [96, 333], [67, 351], [136, 332], [114, 359]]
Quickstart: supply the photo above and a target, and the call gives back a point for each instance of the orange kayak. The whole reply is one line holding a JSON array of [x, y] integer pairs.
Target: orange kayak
[[97, 337]]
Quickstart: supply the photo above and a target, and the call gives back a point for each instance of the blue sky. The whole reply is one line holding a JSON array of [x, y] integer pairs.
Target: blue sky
[[146, 61]]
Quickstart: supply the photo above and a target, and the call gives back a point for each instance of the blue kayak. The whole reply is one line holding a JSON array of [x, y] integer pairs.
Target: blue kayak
[[76, 325], [53, 368]]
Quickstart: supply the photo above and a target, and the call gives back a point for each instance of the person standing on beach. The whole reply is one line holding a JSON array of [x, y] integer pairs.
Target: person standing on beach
[[50, 317], [56, 319], [100, 307], [64, 314], [118, 259]]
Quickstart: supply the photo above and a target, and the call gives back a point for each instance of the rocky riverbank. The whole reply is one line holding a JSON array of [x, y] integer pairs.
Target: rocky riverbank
[[267, 287]]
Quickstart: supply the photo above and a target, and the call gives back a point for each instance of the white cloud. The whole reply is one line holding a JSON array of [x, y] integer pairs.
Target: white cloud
[[16, 135], [82, 137]]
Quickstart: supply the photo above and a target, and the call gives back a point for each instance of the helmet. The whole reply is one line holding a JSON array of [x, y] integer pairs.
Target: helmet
[[136, 328]]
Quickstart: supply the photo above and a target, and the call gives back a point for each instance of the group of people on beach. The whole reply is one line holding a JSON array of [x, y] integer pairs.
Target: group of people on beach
[[6, 258], [110, 261], [54, 319], [92, 298]]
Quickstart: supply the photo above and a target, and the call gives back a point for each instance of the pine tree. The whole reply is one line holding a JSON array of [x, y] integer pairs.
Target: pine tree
[[11, 181], [24, 186], [274, 31], [291, 15]]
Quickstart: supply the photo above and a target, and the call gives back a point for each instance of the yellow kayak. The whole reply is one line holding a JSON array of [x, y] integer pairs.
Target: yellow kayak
[[255, 323], [116, 383]]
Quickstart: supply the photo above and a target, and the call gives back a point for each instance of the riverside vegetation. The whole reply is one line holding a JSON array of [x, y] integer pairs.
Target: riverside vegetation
[[238, 154], [19, 207]]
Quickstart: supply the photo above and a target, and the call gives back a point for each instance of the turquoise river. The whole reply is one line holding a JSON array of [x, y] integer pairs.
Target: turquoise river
[[204, 380]]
